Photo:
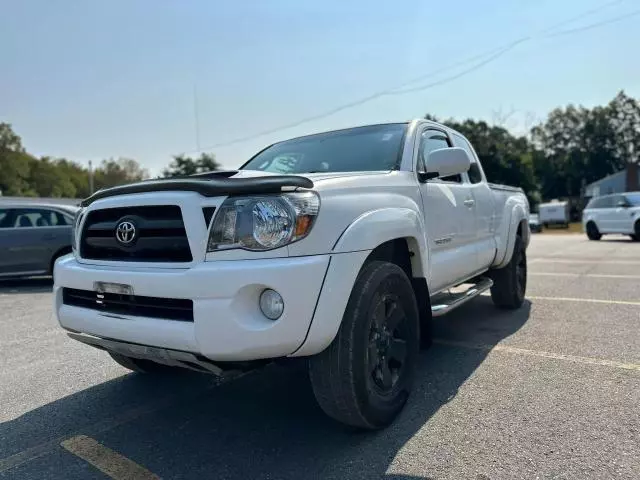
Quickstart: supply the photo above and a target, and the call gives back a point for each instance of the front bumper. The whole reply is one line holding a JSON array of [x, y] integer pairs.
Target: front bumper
[[227, 322]]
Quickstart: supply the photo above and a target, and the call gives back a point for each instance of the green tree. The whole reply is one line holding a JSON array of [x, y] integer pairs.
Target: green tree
[[505, 158], [183, 166], [624, 115], [76, 174], [14, 164], [582, 145], [112, 173], [47, 179], [9, 140]]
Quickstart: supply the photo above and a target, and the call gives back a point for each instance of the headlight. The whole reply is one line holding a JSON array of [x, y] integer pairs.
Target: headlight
[[263, 222], [75, 228]]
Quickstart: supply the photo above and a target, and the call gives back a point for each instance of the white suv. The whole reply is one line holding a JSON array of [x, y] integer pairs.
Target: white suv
[[617, 213]]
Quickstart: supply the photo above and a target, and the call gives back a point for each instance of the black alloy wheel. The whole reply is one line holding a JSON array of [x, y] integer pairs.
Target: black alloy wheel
[[387, 343]]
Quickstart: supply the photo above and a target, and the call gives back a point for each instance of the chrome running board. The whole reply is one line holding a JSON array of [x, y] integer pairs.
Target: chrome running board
[[443, 303]]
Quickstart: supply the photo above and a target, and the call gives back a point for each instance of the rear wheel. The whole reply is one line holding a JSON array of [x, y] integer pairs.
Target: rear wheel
[[364, 377], [634, 237], [592, 231], [510, 282], [142, 366]]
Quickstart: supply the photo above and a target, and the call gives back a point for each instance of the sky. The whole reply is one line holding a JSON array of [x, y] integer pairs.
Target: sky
[[148, 79]]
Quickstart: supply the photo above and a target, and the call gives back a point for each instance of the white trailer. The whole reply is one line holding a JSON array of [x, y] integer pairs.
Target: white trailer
[[554, 213]]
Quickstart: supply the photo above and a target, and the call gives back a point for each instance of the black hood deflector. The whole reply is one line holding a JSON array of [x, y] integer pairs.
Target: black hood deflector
[[211, 184]]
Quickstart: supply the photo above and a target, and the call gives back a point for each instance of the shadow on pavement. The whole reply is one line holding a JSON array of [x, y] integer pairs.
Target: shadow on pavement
[[264, 425], [26, 285]]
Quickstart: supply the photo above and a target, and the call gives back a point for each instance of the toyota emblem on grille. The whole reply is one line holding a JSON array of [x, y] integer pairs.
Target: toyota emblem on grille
[[125, 232]]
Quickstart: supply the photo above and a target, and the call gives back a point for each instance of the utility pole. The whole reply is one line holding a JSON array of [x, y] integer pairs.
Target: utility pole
[[90, 178], [196, 116]]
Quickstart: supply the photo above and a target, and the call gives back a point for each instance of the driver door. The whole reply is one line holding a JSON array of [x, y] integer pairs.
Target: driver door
[[449, 219]]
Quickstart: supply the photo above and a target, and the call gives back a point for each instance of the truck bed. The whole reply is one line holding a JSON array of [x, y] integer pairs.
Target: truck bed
[[506, 188]]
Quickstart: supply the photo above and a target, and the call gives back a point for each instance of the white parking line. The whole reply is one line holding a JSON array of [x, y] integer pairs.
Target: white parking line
[[578, 260], [588, 300], [538, 353], [591, 275], [110, 463]]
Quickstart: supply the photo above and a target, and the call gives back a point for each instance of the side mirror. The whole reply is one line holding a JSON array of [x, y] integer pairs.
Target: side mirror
[[622, 204], [445, 162]]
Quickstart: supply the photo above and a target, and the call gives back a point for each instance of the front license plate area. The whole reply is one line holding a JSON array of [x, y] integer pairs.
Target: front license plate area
[[109, 287]]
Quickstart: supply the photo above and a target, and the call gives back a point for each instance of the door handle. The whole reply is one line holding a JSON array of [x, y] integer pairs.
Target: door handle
[[469, 202]]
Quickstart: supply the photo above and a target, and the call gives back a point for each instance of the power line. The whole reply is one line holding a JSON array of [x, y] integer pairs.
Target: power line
[[196, 117], [597, 24], [493, 57], [490, 55], [355, 103], [582, 15]]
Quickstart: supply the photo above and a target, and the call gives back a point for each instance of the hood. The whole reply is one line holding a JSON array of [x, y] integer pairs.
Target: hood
[[319, 176]]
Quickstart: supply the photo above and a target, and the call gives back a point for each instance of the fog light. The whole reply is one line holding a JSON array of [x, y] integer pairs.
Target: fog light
[[271, 304]]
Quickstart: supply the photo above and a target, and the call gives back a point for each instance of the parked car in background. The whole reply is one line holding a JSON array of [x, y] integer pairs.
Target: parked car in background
[[534, 223], [554, 213], [616, 213], [33, 236]]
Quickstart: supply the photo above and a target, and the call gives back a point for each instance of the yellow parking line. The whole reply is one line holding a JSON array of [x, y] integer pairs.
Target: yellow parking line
[[538, 353], [588, 300], [106, 460]]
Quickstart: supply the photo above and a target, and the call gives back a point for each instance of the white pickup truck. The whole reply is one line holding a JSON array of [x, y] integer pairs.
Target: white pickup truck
[[339, 247]]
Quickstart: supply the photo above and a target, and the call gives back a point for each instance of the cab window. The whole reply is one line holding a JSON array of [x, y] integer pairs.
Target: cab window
[[475, 174], [433, 140]]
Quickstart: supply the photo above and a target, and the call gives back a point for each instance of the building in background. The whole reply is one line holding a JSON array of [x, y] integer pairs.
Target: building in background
[[618, 182]]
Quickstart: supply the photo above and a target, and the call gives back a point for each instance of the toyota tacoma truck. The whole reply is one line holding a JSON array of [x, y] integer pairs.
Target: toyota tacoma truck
[[340, 247]]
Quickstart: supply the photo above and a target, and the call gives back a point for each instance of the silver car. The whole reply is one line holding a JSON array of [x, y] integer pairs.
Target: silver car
[[33, 236]]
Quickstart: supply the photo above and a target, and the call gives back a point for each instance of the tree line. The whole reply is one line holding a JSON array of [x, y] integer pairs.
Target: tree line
[[25, 175], [573, 147], [556, 158]]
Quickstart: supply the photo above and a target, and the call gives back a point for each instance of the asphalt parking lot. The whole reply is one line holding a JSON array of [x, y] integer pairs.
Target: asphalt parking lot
[[549, 391]]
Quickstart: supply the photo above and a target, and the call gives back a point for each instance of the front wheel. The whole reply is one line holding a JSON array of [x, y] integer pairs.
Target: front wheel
[[364, 377], [510, 282], [592, 232]]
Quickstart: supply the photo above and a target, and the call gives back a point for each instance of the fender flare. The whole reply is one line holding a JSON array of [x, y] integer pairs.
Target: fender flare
[[516, 217], [376, 227], [349, 253]]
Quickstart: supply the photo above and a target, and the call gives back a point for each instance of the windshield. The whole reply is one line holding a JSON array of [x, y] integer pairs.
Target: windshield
[[377, 147]]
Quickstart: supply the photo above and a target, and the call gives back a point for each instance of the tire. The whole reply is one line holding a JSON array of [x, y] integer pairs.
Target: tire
[[510, 282], [635, 237], [56, 256], [358, 380], [636, 229], [142, 366], [592, 232]]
